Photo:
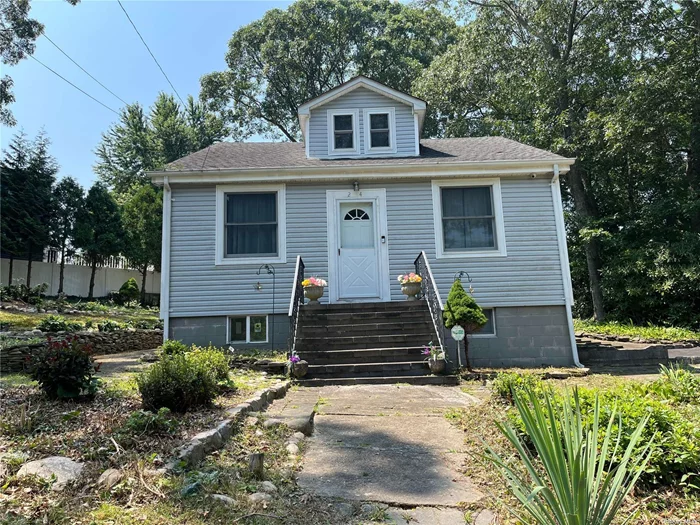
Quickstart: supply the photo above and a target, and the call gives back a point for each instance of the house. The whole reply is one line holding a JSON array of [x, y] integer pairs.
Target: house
[[361, 200]]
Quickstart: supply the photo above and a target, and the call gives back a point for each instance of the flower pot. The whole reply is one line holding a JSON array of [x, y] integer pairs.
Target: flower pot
[[299, 369], [410, 290], [437, 366], [313, 293]]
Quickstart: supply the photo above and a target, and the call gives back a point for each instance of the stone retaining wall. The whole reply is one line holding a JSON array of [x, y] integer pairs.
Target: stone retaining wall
[[12, 358]]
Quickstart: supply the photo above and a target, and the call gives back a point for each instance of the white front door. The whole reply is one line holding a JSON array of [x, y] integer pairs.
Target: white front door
[[358, 261], [358, 255]]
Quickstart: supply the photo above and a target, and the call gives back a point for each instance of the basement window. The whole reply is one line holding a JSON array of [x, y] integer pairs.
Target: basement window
[[489, 329], [247, 329]]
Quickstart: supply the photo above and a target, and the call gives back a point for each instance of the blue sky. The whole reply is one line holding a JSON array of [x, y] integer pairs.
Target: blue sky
[[189, 39]]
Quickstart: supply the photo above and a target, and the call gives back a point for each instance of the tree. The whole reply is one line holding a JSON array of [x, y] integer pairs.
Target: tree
[[18, 33], [461, 309], [142, 141], [142, 233], [12, 215], [98, 229], [36, 198], [287, 57], [68, 200]]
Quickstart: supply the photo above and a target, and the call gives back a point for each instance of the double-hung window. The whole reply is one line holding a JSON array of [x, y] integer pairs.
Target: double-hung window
[[380, 130], [250, 224], [342, 132], [468, 218]]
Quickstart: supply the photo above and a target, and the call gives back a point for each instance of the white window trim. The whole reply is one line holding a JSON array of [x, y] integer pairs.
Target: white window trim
[[355, 132], [500, 250], [367, 129], [221, 191], [495, 328], [247, 329]]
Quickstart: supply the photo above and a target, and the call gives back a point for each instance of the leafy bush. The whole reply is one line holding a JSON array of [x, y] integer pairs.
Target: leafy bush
[[129, 291], [674, 429], [64, 369], [579, 477], [58, 323], [109, 326], [213, 357], [173, 347], [88, 324], [20, 292], [94, 306], [177, 383], [145, 422], [677, 384]]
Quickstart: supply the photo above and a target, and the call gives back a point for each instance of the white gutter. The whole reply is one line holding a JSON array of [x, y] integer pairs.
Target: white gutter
[[165, 260], [564, 259]]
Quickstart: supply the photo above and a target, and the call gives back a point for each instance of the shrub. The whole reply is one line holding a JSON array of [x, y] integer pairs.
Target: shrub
[[506, 383], [212, 357], [58, 323], [109, 326], [173, 347], [88, 324], [461, 309], [677, 384], [94, 306], [177, 383], [145, 422], [64, 369], [129, 291]]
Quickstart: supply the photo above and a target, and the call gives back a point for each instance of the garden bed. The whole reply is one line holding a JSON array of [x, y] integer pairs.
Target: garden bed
[[107, 432], [659, 499], [627, 332]]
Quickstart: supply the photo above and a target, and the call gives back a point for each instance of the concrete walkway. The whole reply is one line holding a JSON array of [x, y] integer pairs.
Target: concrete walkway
[[384, 443]]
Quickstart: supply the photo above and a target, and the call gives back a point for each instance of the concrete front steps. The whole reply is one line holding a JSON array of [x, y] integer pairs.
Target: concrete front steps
[[367, 343]]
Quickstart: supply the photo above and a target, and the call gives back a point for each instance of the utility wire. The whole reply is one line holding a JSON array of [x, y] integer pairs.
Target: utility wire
[[151, 52], [76, 87], [84, 71]]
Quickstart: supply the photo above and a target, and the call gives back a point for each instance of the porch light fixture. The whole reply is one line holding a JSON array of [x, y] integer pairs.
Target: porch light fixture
[[356, 186], [257, 286]]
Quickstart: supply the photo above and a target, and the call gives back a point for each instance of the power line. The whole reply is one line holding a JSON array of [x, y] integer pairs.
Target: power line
[[151, 52], [84, 70], [76, 87]]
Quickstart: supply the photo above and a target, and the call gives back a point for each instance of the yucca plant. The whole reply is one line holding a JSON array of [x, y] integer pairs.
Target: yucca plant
[[581, 475]]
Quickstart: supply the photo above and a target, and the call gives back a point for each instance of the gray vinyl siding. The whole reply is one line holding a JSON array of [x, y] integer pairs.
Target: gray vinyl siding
[[530, 275], [361, 99]]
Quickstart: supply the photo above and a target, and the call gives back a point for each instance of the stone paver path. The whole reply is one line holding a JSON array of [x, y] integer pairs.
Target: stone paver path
[[384, 443]]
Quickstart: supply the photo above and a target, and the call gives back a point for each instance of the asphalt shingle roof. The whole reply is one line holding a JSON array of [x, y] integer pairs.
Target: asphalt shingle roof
[[259, 155]]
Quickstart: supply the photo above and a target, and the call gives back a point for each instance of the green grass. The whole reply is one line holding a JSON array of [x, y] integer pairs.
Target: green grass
[[12, 380], [650, 331], [30, 320]]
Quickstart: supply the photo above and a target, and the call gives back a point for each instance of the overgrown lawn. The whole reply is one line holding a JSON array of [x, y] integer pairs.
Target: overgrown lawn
[[669, 333]]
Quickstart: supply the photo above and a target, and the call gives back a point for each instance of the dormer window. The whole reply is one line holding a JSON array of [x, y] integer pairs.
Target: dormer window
[[342, 127], [380, 135]]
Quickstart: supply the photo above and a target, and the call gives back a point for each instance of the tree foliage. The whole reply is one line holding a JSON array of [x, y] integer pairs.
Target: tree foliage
[[68, 198], [613, 84], [98, 229], [289, 56]]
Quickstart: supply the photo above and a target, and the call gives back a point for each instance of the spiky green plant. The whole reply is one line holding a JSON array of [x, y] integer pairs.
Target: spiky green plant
[[581, 475]]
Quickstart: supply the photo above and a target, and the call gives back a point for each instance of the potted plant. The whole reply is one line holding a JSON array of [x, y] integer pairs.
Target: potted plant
[[435, 357], [461, 309], [313, 289], [297, 366], [410, 285]]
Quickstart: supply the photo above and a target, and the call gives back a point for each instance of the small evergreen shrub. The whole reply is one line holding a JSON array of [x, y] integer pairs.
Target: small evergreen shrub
[[64, 369], [461, 309], [213, 357], [129, 291], [177, 383], [109, 326], [58, 323], [151, 423], [173, 347]]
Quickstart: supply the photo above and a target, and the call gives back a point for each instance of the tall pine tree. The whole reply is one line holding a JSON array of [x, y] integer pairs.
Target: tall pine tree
[[68, 202]]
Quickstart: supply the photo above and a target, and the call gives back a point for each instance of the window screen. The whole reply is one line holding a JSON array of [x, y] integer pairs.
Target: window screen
[[468, 220], [342, 132], [379, 130], [251, 224]]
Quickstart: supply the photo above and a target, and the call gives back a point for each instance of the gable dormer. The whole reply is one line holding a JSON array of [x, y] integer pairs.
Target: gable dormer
[[362, 118]]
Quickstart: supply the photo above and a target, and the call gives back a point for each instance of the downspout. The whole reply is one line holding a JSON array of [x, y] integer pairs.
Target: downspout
[[564, 260], [165, 261]]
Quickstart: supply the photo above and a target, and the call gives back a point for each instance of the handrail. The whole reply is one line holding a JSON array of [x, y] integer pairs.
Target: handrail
[[295, 303], [430, 292]]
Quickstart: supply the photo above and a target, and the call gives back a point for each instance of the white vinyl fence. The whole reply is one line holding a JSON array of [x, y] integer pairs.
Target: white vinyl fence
[[76, 278]]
